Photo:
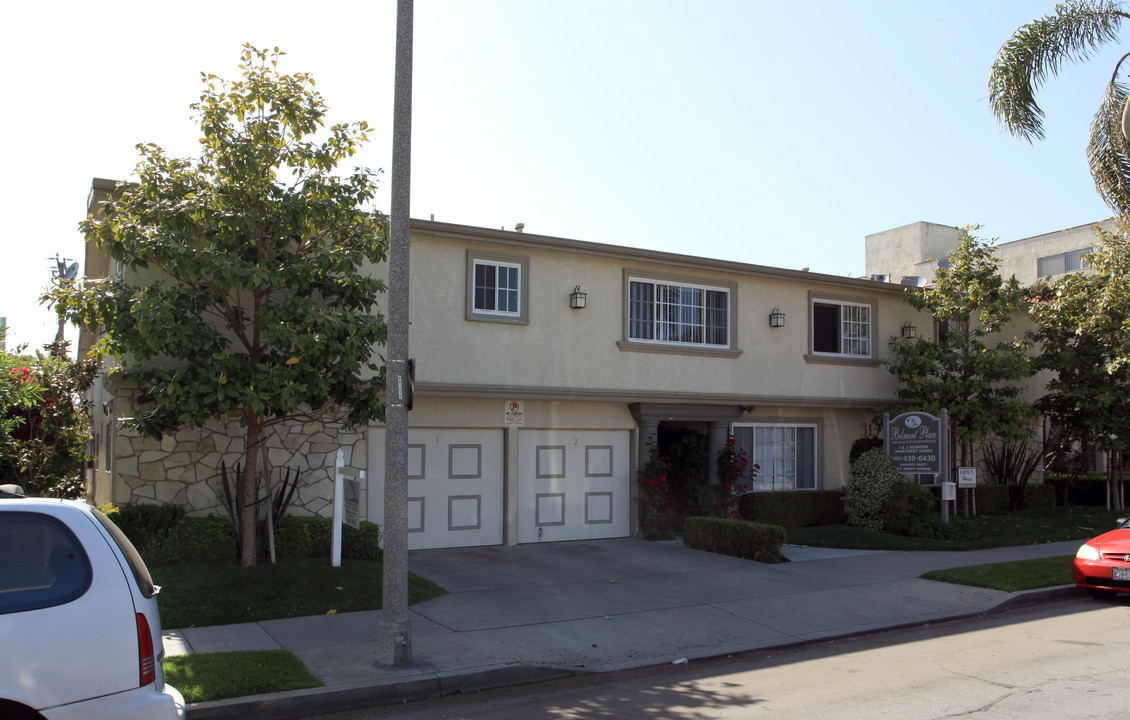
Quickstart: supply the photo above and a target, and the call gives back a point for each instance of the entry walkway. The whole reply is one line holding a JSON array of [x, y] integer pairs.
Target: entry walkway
[[533, 612]]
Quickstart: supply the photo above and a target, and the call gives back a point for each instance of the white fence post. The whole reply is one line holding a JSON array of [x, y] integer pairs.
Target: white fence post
[[339, 502]]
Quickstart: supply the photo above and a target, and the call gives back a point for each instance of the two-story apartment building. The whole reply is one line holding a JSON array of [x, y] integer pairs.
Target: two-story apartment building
[[544, 369], [532, 414]]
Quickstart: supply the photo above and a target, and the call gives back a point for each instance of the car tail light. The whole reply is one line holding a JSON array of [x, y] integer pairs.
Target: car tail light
[[147, 659]]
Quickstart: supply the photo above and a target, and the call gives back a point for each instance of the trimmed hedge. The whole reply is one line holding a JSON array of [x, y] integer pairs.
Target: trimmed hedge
[[1087, 489], [165, 536], [738, 538], [796, 508], [992, 499], [313, 537]]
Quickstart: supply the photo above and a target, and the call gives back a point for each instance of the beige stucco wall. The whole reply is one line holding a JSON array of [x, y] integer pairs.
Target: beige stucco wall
[[914, 249], [584, 351], [1019, 258], [900, 251]]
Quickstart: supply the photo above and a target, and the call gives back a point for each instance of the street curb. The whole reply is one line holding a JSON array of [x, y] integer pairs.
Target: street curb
[[1039, 595], [322, 700]]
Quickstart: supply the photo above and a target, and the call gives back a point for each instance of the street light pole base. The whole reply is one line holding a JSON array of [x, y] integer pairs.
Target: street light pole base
[[394, 643]]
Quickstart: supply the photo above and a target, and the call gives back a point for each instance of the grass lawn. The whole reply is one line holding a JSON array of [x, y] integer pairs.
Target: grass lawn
[[223, 593], [1026, 527], [1010, 576], [216, 676]]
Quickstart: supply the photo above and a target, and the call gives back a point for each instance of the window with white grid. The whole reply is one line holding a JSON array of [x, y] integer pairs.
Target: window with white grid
[[841, 328], [497, 288], [785, 455], [664, 312]]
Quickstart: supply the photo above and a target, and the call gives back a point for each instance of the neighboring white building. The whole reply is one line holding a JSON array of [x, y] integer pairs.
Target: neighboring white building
[[910, 254]]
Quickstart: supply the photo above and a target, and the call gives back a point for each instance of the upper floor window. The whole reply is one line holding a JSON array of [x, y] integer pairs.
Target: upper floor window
[[681, 313], [1062, 263], [496, 287], [841, 328]]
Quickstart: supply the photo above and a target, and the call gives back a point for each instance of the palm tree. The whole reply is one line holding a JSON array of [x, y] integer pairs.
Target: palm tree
[[1034, 54]]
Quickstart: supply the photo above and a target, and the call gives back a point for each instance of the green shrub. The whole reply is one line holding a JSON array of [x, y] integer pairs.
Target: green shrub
[[993, 499], [313, 537], [907, 503], [1078, 489], [862, 444], [797, 508], [738, 538], [195, 539], [144, 521], [165, 536], [872, 480]]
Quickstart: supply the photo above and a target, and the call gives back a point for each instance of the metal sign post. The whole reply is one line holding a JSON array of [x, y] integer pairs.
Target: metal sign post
[[916, 444]]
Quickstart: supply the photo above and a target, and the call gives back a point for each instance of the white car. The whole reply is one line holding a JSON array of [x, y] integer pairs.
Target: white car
[[80, 635]]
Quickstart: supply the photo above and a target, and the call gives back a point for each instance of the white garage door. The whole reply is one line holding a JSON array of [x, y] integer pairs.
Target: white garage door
[[573, 485], [454, 486]]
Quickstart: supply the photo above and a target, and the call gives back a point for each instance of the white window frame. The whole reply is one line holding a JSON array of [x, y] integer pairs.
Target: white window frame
[[511, 263], [662, 332], [863, 341], [772, 468]]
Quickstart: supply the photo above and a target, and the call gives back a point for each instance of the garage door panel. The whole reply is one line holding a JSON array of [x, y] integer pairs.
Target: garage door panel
[[455, 487], [573, 485]]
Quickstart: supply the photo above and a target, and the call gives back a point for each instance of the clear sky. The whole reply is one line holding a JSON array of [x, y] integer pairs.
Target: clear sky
[[773, 133]]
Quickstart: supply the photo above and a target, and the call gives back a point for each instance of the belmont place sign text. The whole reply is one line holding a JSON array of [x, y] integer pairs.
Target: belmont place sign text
[[914, 442]]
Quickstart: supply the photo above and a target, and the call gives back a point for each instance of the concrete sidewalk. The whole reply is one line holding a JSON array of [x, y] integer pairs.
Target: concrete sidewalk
[[534, 612]]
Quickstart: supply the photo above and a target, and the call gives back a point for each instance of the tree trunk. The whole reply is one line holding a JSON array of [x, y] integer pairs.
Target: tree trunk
[[249, 553]]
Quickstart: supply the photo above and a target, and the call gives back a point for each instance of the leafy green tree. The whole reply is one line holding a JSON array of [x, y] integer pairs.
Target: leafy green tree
[[1084, 329], [248, 292], [1035, 53], [45, 429], [975, 368]]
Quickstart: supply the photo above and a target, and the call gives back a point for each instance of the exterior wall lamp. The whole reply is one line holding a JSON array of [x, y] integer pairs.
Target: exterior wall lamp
[[776, 318], [909, 332], [578, 299]]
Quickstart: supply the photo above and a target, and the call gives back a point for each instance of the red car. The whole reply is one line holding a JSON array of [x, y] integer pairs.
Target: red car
[[1102, 565]]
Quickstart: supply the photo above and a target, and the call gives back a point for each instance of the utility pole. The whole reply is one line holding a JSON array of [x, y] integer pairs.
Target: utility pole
[[63, 273], [394, 640]]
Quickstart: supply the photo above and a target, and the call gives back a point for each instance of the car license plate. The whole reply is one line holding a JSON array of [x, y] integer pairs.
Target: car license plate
[[1121, 573]]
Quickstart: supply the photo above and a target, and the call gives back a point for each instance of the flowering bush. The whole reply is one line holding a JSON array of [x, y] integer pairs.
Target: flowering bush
[[654, 495], [44, 424], [735, 478], [872, 482]]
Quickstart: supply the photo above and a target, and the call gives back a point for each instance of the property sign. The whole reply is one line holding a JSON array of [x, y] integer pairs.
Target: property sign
[[966, 477], [515, 415], [914, 443], [352, 503]]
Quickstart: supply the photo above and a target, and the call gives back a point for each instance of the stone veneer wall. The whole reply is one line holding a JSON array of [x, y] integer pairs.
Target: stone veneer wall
[[184, 468]]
